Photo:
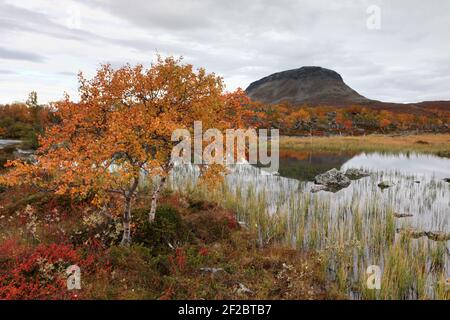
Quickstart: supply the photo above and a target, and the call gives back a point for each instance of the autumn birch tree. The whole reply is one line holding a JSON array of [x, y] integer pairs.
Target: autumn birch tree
[[119, 132]]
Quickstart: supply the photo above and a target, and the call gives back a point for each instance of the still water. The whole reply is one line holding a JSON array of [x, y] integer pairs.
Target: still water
[[4, 143], [419, 188]]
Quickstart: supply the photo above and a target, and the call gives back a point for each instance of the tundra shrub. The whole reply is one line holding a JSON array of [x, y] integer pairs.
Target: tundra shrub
[[168, 229]]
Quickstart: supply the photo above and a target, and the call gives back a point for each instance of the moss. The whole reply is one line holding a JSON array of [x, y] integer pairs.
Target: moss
[[168, 229], [121, 256], [211, 225], [36, 199], [39, 200], [196, 204]]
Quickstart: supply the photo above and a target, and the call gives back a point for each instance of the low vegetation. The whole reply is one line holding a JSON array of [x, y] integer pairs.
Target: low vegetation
[[438, 144], [193, 250], [24, 121], [352, 120]]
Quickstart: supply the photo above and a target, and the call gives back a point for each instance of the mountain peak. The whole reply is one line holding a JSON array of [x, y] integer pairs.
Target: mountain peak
[[309, 84]]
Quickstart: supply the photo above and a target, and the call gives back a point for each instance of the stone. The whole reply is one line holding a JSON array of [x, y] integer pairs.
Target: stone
[[318, 187], [333, 180], [438, 235], [402, 215], [385, 184], [355, 174], [211, 270]]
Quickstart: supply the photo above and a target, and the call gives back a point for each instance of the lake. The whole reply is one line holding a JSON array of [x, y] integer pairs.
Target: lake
[[5, 143], [418, 188]]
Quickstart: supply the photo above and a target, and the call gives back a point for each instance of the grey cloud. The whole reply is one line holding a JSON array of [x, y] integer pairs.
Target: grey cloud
[[406, 60], [68, 73], [13, 18], [10, 54], [249, 41], [8, 72], [17, 19]]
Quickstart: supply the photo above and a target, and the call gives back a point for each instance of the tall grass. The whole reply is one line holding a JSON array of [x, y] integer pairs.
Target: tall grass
[[348, 234]]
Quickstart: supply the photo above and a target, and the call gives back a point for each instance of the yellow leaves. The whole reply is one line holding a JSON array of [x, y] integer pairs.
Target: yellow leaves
[[213, 176], [62, 189], [19, 175]]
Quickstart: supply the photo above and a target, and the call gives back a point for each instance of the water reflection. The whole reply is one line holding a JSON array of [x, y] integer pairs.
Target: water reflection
[[304, 166], [409, 164]]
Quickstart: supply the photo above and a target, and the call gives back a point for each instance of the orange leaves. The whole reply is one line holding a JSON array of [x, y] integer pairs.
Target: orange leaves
[[213, 175], [122, 125]]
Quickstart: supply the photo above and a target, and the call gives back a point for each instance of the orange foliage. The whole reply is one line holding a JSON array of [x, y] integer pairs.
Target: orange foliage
[[122, 127]]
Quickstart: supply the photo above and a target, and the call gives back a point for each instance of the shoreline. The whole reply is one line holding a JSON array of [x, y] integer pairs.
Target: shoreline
[[438, 144]]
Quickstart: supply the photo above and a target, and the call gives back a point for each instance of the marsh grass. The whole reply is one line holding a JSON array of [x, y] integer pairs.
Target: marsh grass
[[348, 234]]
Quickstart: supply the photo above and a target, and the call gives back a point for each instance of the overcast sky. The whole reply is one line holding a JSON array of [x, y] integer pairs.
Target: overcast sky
[[45, 43]]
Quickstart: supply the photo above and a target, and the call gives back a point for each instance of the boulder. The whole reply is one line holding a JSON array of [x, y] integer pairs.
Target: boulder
[[385, 184], [411, 233], [243, 289], [447, 180], [333, 180], [211, 270], [402, 215], [355, 174], [318, 187], [432, 235], [438, 235]]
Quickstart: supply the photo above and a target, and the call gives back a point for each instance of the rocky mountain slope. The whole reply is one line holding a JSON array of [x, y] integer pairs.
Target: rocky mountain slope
[[304, 85], [319, 86]]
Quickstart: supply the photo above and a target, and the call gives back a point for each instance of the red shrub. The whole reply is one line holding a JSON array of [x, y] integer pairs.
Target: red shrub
[[36, 273], [232, 222], [178, 261], [203, 251]]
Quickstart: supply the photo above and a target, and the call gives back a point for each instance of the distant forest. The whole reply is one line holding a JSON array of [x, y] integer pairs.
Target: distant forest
[[25, 121]]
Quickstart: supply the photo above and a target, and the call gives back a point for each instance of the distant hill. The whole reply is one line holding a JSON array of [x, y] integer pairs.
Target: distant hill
[[319, 86]]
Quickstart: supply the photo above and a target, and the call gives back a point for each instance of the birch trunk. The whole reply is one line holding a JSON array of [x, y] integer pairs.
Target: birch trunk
[[155, 196], [126, 237], [126, 220]]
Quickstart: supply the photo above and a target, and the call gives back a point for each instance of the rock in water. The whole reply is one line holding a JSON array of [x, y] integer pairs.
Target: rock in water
[[411, 233], [385, 184], [402, 215], [432, 235], [318, 187], [355, 174], [438, 235], [333, 180], [447, 180]]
